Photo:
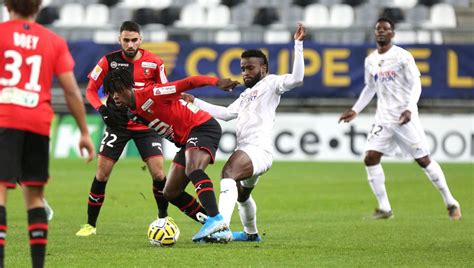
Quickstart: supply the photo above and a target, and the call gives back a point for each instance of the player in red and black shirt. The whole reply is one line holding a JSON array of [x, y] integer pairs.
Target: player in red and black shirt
[[29, 57], [160, 108], [146, 69]]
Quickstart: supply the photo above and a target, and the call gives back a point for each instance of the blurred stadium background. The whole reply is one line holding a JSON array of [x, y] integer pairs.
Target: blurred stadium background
[[327, 201], [206, 37]]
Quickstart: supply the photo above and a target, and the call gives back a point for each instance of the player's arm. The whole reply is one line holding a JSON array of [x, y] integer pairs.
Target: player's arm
[[161, 76], [365, 97], [412, 75], [295, 79], [216, 111], [96, 77], [193, 82], [75, 103]]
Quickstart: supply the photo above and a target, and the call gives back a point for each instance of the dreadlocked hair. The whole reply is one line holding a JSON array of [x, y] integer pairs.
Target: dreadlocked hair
[[117, 81], [255, 53]]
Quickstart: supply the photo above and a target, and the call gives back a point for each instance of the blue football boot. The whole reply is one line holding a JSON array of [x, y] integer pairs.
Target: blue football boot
[[212, 225], [224, 236], [243, 236]]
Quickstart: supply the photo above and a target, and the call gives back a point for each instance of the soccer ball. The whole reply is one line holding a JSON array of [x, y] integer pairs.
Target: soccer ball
[[163, 232]]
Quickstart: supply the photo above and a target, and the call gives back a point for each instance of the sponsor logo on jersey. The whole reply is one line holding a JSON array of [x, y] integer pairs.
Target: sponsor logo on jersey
[[150, 65], [385, 76], [115, 64], [96, 72], [164, 90], [147, 104]]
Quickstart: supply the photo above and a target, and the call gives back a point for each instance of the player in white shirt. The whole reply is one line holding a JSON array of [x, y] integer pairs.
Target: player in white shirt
[[255, 113], [391, 73]]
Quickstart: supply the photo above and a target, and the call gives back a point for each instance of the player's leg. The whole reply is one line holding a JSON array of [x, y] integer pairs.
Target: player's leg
[[379, 142], [247, 212], [35, 176], [376, 178], [201, 148], [150, 148], [111, 148], [11, 144], [3, 222], [174, 189], [436, 175], [37, 223], [238, 167], [411, 139]]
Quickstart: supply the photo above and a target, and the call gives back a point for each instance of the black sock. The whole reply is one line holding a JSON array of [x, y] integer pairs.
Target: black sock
[[3, 233], [161, 201], [188, 205], [205, 191], [38, 229], [96, 199]]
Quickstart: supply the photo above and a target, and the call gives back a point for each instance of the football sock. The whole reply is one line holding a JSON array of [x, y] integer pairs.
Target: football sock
[[3, 233], [205, 191], [248, 215], [376, 179], [161, 201], [227, 199], [38, 230], [96, 199], [188, 205], [436, 176]]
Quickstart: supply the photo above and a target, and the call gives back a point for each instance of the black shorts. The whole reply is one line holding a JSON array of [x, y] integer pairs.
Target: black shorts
[[24, 158], [205, 136], [148, 143]]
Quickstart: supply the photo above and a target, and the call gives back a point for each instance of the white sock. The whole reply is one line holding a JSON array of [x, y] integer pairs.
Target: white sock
[[436, 176], [248, 215], [376, 179], [227, 199]]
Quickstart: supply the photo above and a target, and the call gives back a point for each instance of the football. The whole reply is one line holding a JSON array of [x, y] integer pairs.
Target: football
[[163, 232]]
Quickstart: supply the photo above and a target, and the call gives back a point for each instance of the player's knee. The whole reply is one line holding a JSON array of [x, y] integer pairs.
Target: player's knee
[[170, 194], [158, 175], [229, 172], [424, 161], [102, 176], [371, 159]]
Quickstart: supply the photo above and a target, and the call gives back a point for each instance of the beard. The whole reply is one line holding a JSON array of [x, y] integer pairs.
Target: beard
[[253, 81], [130, 54]]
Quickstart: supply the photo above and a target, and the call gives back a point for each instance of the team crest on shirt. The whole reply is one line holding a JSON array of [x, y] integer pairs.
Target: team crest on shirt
[[146, 72]]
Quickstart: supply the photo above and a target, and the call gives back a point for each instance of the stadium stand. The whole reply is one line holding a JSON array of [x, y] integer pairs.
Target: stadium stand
[[339, 22]]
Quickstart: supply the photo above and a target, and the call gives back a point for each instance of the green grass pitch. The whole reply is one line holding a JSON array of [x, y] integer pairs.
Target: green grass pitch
[[310, 213]]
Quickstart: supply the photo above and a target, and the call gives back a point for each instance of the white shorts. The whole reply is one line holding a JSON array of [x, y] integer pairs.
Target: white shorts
[[261, 162], [389, 139]]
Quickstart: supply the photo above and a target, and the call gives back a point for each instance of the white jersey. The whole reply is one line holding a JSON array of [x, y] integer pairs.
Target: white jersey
[[256, 107], [395, 78]]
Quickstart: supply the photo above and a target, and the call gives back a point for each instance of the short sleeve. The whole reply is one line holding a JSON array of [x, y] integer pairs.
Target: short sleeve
[[64, 61]]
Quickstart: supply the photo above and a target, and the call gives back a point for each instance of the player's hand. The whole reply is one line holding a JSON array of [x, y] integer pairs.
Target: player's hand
[[405, 117], [85, 143], [110, 119], [187, 97], [227, 84], [300, 32], [347, 116]]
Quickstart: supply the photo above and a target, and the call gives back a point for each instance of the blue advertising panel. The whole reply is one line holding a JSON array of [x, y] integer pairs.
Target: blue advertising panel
[[447, 71]]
